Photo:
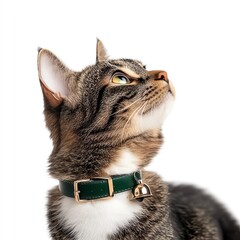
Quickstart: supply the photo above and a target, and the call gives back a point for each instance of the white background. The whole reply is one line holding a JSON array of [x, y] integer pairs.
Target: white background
[[196, 42]]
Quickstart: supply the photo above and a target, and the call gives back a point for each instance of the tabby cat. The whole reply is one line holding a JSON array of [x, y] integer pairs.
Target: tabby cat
[[105, 124]]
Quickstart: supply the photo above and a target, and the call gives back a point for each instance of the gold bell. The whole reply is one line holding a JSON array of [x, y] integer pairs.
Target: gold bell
[[141, 191]]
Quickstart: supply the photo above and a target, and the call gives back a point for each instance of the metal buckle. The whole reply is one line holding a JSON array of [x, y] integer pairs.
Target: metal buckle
[[76, 190], [110, 188]]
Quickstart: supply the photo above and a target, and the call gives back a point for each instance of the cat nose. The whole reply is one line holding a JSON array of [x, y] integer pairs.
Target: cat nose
[[159, 75], [162, 75]]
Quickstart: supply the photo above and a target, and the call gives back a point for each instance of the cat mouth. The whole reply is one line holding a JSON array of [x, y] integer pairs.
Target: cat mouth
[[152, 106], [154, 113], [171, 89], [158, 97]]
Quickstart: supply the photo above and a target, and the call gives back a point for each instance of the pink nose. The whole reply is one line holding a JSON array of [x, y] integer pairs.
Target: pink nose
[[162, 75], [159, 75]]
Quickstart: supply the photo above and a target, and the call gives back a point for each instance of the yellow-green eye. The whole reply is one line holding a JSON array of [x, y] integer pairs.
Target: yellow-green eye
[[119, 79]]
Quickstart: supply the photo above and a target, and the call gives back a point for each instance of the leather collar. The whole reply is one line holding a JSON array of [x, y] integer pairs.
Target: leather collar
[[99, 188]]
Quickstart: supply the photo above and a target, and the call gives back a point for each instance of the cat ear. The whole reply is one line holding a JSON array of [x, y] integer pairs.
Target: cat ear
[[52, 75], [101, 52]]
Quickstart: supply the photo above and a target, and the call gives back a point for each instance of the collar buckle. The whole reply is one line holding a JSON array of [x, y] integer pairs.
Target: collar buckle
[[77, 192]]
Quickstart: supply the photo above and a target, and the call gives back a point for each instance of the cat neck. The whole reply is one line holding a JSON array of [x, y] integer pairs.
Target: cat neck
[[127, 162], [97, 160]]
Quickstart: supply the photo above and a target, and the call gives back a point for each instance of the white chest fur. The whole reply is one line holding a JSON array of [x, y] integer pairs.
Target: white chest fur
[[98, 219]]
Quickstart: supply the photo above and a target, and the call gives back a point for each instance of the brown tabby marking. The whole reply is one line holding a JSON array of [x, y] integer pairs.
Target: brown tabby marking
[[93, 122]]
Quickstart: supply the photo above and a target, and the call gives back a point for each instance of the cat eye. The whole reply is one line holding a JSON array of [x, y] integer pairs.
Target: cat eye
[[120, 79]]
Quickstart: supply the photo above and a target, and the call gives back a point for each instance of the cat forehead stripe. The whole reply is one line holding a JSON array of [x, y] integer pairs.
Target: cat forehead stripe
[[129, 72]]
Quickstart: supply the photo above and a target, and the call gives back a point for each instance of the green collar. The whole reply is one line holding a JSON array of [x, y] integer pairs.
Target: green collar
[[100, 188]]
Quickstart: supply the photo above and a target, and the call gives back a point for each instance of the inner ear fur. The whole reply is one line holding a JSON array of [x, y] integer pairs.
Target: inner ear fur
[[53, 77]]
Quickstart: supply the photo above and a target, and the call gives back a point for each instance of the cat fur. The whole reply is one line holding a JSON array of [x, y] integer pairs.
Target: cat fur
[[101, 129]]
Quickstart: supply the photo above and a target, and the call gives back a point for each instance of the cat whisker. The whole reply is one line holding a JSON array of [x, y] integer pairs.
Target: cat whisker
[[129, 120], [142, 113], [99, 120], [125, 108], [94, 126], [135, 112]]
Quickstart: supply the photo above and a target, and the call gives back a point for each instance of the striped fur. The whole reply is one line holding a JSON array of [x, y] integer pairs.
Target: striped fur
[[101, 128]]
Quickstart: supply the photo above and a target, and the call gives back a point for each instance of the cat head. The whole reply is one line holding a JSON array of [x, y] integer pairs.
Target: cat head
[[109, 109]]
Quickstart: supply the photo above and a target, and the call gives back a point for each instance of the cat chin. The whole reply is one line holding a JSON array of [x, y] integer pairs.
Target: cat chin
[[155, 118]]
